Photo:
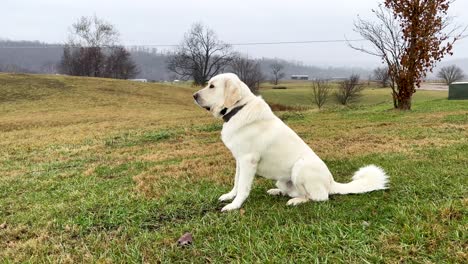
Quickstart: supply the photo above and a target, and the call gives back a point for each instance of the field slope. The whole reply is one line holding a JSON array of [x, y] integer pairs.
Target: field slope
[[97, 170]]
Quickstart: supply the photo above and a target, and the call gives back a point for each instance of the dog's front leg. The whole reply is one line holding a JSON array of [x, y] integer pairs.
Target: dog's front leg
[[230, 195], [247, 168]]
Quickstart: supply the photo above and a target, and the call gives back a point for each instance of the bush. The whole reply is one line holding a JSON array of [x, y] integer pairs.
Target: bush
[[320, 91], [349, 90]]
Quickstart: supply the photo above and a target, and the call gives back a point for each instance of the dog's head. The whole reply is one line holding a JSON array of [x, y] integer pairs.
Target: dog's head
[[223, 91]]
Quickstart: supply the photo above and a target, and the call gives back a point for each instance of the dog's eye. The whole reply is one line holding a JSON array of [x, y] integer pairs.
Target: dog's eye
[[211, 86]]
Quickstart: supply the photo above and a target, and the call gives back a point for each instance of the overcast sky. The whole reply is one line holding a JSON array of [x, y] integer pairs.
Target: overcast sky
[[146, 22]]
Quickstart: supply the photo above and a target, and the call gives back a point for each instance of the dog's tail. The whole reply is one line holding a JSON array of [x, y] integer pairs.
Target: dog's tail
[[366, 179]]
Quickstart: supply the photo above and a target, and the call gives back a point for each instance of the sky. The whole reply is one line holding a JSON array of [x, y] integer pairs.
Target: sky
[[157, 22]]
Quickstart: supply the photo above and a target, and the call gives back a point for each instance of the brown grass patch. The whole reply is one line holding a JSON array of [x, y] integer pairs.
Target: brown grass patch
[[355, 145]]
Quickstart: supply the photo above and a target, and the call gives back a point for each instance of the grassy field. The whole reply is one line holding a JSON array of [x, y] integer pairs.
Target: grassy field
[[300, 94], [96, 170]]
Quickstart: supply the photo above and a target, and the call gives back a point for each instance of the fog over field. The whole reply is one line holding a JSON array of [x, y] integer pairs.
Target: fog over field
[[159, 23]]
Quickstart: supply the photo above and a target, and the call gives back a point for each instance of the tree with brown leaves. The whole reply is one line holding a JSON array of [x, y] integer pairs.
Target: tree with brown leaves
[[418, 35]]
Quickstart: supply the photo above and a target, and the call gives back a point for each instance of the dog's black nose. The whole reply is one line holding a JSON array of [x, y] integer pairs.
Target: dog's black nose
[[195, 96]]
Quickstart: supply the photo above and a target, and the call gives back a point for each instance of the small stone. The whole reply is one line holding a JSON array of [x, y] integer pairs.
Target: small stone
[[3, 225]]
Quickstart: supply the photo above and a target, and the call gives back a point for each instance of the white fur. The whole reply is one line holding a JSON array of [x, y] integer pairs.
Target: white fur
[[262, 144]]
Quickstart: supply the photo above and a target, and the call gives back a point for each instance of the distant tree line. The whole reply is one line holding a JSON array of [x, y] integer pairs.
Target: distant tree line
[[151, 62], [93, 50]]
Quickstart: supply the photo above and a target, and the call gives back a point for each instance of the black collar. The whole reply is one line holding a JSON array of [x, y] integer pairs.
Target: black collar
[[228, 116]]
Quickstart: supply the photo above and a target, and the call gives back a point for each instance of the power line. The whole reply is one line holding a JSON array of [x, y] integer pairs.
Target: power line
[[175, 45], [232, 44], [297, 42], [264, 43]]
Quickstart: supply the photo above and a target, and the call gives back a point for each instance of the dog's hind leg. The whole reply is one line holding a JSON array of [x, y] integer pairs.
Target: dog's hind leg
[[310, 182], [285, 188]]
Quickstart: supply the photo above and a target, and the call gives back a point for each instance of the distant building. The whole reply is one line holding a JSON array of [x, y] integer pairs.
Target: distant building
[[138, 80], [299, 77], [337, 78]]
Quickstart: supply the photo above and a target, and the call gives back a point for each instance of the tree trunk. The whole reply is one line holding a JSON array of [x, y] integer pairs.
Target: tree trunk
[[404, 103], [405, 86], [395, 101]]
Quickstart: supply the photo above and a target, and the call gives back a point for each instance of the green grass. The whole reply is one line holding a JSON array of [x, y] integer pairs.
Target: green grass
[[300, 94], [96, 170]]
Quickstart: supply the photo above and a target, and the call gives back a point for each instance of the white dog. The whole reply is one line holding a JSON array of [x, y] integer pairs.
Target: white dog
[[262, 144]]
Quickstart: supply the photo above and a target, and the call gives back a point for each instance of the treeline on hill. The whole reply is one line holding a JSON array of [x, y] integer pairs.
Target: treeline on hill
[[29, 56], [109, 62], [38, 57], [93, 50]]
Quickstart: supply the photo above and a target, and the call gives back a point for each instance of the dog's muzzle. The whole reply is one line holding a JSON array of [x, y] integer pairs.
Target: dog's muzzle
[[196, 97]]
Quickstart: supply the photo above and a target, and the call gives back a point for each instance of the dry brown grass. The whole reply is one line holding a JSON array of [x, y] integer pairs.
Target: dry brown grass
[[123, 139], [107, 106]]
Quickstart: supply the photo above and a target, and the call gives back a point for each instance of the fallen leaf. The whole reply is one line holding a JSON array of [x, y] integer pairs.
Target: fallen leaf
[[185, 240], [365, 224]]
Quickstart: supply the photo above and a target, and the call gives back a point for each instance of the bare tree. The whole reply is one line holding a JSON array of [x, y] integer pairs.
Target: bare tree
[[119, 64], [200, 56], [249, 72], [349, 90], [92, 50], [387, 42], [277, 71], [90, 35], [451, 74], [320, 91], [93, 32], [382, 76], [408, 47]]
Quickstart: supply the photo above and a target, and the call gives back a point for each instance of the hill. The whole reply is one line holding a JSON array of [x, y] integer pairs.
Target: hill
[[37, 57], [47, 98]]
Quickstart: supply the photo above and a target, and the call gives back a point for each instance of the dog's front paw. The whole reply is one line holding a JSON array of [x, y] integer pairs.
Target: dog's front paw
[[227, 197], [297, 200], [274, 192], [230, 207]]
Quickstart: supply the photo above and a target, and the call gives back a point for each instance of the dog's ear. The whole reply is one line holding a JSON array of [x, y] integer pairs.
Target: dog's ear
[[231, 93]]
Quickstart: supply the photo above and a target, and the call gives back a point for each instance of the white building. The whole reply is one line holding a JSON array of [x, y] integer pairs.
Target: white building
[[299, 77]]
